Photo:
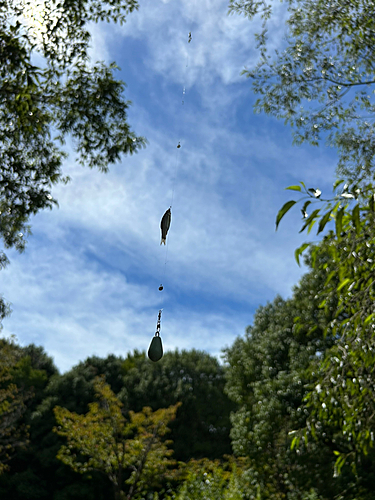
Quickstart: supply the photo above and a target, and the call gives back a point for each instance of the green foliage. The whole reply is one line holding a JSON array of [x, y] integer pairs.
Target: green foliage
[[194, 378], [4, 306], [34, 472], [270, 373], [343, 396], [24, 374], [105, 441], [198, 429], [211, 481], [73, 390], [191, 377], [321, 80], [12, 405], [283, 210]]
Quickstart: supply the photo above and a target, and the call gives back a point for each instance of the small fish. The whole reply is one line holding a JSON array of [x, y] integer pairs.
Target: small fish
[[165, 225]]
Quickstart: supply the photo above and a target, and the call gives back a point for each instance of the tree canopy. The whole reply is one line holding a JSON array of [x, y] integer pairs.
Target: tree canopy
[[293, 443], [197, 380], [343, 393], [131, 453], [200, 430], [12, 405], [321, 80], [65, 95]]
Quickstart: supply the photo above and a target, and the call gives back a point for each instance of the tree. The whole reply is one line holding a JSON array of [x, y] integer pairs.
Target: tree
[[12, 405], [344, 393], [196, 379], [35, 472], [4, 306], [322, 83], [24, 372], [128, 452], [270, 374], [64, 95], [199, 429], [321, 80]]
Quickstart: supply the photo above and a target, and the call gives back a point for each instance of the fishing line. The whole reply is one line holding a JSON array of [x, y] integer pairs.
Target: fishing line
[[155, 351]]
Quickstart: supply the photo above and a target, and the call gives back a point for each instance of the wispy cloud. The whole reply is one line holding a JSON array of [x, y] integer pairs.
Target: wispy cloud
[[221, 44]]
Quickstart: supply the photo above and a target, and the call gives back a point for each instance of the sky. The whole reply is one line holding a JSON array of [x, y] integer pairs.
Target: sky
[[88, 281]]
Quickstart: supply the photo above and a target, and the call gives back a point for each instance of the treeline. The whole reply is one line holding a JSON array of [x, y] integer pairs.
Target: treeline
[[188, 426], [200, 429]]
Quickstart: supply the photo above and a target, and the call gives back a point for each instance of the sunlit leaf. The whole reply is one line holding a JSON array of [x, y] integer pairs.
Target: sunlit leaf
[[284, 209], [343, 283], [338, 183], [368, 319]]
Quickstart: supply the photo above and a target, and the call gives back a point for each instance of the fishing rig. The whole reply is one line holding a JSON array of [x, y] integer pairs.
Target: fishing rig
[[155, 350]]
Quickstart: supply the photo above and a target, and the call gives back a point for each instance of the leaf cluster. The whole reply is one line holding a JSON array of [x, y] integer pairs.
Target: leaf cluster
[[343, 393], [321, 80], [199, 429], [213, 479], [104, 440]]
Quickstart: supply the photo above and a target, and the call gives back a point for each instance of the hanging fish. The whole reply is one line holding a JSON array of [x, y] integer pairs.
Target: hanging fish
[[165, 225]]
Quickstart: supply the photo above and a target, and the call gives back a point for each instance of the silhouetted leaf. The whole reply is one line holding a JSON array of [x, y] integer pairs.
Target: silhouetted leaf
[[284, 209]]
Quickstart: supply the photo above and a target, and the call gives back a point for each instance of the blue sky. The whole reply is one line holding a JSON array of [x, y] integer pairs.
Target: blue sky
[[88, 281]]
